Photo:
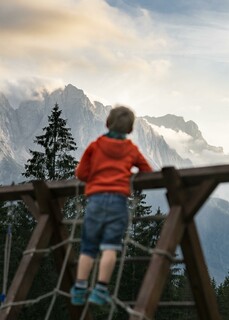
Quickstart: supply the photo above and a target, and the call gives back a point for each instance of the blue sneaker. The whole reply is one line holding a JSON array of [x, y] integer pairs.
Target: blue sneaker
[[99, 297], [78, 296]]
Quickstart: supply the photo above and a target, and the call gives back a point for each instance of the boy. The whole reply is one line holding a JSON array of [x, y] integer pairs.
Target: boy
[[106, 168]]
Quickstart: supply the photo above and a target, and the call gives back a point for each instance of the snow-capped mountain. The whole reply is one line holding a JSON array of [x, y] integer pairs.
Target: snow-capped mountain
[[187, 140], [167, 140], [86, 120]]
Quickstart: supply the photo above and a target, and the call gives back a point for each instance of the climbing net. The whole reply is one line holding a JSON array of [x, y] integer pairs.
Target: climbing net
[[69, 243]]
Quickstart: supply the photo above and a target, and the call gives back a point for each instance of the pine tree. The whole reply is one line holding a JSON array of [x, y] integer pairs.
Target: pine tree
[[54, 160], [223, 298]]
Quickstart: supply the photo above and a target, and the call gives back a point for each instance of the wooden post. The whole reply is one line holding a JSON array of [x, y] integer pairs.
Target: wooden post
[[179, 228], [47, 212], [203, 292], [53, 206], [27, 269], [156, 275]]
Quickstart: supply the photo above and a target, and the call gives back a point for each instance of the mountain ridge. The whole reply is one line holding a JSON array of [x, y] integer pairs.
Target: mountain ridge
[[32, 115], [178, 123], [166, 140]]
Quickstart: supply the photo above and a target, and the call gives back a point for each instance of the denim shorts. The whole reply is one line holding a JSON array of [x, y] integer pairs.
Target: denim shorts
[[105, 223]]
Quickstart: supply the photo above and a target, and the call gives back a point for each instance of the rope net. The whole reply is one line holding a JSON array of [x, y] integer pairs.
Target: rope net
[[132, 262]]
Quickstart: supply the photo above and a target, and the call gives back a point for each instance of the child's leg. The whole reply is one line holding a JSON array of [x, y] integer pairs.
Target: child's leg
[[79, 290], [85, 265], [106, 266], [100, 295]]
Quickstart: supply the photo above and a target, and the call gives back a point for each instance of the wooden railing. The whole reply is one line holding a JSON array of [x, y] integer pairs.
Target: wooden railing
[[187, 190]]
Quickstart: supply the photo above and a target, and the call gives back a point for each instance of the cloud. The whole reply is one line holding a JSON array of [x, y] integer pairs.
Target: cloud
[[47, 25], [177, 140], [28, 89], [190, 148], [78, 24], [49, 39]]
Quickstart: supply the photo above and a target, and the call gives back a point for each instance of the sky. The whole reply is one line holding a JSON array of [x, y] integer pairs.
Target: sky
[[157, 56]]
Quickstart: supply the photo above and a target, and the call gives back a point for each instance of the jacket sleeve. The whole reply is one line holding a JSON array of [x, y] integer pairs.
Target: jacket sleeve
[[141, 163], [82, 170]]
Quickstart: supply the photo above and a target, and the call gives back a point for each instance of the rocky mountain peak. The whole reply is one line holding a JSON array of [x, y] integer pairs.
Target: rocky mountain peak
[[177, 123], [187, 140]]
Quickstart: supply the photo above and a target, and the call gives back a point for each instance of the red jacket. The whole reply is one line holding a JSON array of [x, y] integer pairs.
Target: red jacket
[[106, 165]]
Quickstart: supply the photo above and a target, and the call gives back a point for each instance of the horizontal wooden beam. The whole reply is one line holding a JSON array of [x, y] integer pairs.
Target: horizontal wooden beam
[[154, 180], [168, 304]]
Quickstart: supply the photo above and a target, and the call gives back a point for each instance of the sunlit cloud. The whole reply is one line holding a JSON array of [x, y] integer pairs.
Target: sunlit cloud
[[29, 89], [50, 39], [82, 24]]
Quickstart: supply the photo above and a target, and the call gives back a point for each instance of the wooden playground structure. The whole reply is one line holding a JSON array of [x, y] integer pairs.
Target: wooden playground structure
[[187, 190]]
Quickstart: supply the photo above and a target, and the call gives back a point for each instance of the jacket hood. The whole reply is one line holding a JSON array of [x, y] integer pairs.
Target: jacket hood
[[114, 148]]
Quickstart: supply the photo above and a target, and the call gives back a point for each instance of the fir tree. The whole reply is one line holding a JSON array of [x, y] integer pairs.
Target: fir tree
[[54, 160], [51, 161], [223, 298]]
